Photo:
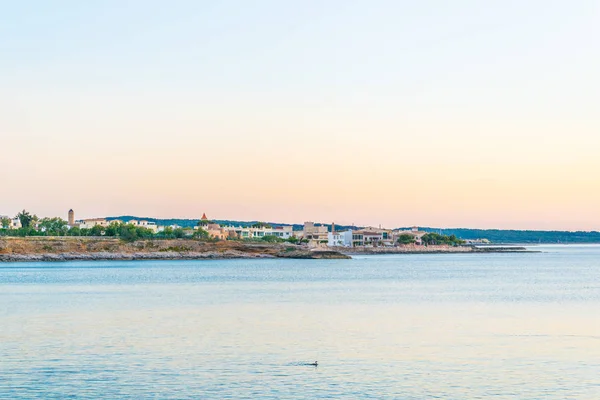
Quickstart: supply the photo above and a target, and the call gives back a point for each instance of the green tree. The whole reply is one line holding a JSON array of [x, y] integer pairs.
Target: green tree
[[178, 233], [270, 239], [144, 233], [433, 238], [26, 218], [96, 230], [128, 233], [74, 231], [53, 226], [405, 238], [261, 225], [112, 229], [200, 234], [167, 232], [5, 222]]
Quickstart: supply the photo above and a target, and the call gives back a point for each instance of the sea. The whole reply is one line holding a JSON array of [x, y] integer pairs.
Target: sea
[[439, 326]]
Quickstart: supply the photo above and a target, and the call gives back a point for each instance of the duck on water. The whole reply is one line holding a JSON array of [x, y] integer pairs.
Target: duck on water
[[315, 364]]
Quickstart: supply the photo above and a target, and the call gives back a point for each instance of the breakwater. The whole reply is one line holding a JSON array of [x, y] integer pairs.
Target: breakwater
[[431, 249]]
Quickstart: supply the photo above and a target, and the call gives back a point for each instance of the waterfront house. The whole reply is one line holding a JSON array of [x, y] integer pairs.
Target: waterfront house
[[414, 232], [339, 239]]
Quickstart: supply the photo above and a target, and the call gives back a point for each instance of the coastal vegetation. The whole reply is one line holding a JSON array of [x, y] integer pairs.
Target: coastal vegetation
[[436, 239], [32, 225], [4, 223], [26, 218], [499, 236], [405, 239]]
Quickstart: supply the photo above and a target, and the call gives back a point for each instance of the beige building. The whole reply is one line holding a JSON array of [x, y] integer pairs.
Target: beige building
[[414, 232], [144, 224], [244, 232], [91, 222], [316, 235], [215, 231]]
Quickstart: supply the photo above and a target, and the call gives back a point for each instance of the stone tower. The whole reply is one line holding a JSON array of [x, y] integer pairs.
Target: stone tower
[[71, 217]]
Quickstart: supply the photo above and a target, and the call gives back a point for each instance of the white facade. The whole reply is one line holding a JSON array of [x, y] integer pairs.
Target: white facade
[[339, 239], [146, 224], [282, 232], [15, 223], [90, 223]]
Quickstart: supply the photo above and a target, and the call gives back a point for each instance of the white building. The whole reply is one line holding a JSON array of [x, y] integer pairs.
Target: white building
[[91, 222], [339, 239], [249, 232], [146, 224], [14, 223]]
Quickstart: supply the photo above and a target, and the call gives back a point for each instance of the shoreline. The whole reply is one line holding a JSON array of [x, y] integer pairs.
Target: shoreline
[[55, 249], [434, 249], [174, 256], [59, 249]]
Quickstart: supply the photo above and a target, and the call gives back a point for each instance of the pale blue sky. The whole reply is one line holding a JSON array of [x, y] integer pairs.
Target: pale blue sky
[[433, 89], [308, 47]]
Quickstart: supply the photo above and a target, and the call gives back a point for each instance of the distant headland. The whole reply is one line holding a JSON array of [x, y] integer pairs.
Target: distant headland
[[25, 237]]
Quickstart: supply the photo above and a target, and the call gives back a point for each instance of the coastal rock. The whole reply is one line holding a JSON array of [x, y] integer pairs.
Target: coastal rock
[[308, 254]]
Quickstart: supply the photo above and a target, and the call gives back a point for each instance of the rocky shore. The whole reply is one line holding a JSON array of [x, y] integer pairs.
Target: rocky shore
[[35, 249]]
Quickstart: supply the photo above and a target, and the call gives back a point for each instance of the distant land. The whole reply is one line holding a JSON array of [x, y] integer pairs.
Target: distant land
[[493, 235]]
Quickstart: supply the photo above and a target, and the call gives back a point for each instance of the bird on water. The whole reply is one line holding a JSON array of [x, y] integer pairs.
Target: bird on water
[[315, 364]]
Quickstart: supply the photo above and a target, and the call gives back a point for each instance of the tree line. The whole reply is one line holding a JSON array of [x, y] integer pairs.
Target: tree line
[[431, 239], [31, 225]]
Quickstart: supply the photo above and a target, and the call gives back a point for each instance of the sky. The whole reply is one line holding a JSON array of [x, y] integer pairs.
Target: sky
[[393, 113]]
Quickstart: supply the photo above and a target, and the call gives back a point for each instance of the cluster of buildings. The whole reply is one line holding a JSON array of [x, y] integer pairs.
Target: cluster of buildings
[[90, 223], [314, 235], [370, 236], [257, 231]]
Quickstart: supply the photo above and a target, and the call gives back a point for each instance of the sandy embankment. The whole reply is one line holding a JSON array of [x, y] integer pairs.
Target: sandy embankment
[[75, 248]]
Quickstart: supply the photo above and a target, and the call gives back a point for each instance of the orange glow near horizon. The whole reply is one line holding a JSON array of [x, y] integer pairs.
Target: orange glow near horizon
[[478, 115]]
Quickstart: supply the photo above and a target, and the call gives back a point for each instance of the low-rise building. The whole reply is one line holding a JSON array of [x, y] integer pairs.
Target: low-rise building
[[145, 224], [414, 232], [258, 232], [339, 239], [316, 235], [92, 222], [357, 238], [13, 223], [366, 237]]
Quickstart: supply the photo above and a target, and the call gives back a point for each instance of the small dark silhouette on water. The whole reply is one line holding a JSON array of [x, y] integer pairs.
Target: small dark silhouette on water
[[315, 364]]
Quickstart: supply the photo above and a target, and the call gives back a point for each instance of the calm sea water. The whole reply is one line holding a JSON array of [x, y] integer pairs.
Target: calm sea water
[[406, 327]]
